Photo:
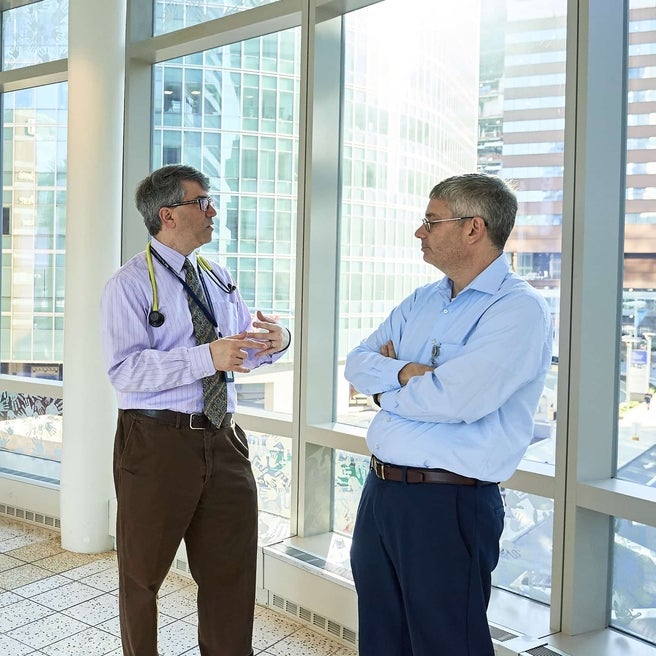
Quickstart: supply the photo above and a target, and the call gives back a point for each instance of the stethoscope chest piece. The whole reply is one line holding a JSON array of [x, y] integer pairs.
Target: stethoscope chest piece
[[155, 318]]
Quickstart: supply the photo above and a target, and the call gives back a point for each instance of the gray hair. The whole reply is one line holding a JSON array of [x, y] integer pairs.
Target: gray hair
[[163, 188], [480, 194]]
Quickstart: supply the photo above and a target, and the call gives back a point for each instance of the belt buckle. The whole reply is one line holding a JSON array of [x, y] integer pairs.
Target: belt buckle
[[378, 467], [191, 420]]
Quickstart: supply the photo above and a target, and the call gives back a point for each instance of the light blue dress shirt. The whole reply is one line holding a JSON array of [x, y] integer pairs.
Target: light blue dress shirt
[[491, 348], [162, 368]]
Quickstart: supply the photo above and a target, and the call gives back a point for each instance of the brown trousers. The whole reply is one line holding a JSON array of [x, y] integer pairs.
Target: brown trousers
[[173, 483]]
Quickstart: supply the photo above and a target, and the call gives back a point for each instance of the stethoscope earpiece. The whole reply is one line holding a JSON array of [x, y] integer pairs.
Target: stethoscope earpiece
[[155, 318]]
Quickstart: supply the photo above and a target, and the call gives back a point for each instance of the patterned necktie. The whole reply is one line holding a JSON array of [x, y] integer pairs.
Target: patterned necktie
[[215, 390]]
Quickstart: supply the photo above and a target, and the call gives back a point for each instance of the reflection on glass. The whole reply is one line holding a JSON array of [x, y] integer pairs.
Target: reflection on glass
[[350, 471], [31, 436], [34, 33], [403, 133], [543, 446], [232, 112], [33, 231], [634, 579], [175, 14], [271, 459], [636, 448], [526, 544]]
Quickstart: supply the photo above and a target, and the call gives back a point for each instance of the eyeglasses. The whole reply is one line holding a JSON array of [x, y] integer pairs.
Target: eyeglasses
[[204, 202], [427, 223]]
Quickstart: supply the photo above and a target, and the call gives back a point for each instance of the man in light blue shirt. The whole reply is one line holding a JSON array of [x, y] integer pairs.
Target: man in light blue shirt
[[457, 369]]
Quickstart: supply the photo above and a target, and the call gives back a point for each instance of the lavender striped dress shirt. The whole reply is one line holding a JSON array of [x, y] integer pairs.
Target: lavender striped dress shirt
[[161, 368]]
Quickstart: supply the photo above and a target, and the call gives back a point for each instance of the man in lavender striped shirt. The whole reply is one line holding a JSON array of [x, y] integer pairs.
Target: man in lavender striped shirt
[[177, 474]]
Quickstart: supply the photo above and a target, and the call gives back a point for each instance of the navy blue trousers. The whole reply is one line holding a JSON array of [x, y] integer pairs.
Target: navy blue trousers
[[422, 559]]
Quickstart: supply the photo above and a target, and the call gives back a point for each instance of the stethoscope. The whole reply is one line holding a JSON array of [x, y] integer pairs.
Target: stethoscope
[[155, 317]]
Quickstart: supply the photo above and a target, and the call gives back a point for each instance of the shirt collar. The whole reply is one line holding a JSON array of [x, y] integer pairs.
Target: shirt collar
[[487, 281], [175, 259]]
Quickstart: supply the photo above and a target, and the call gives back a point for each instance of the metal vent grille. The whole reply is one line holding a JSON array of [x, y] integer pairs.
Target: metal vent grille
[[181, 565], [349, 636], [334, 628], [30, 516], [545, 650], [316, 621], [501, 635]]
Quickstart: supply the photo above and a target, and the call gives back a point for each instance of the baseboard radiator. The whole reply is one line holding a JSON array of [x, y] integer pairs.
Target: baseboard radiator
[[314, 620], [24, 515]]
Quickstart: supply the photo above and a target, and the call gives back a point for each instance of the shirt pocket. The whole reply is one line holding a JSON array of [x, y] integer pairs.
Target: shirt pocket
[[226, 317], [447, 351]]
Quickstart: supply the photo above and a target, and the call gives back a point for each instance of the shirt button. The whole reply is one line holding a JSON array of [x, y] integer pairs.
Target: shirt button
[[445, 311]]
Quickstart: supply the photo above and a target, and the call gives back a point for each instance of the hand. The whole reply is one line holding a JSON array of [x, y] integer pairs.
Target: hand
[[387, 350], [409, 370], [273, 336], [228, 353], [413, 369]]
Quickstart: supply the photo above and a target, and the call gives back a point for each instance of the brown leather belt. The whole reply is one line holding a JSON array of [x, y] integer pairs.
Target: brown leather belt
[[195, 421], [416, 475]]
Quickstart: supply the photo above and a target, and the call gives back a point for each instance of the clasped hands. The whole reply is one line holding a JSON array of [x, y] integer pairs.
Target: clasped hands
[[229, 353]]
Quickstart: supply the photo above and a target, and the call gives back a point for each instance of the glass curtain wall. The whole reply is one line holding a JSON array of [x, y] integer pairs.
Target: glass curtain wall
[[634, 567], [233, 113], [173, 15], [414, 115], [33, 241], [34, 33]]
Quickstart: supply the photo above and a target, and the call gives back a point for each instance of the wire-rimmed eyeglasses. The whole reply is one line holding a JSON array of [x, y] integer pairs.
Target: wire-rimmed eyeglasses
[[204, 202], [427, 223]]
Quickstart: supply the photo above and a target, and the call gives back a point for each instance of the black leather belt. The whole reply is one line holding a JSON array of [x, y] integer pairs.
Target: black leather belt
[[195, 421], [417, 475]]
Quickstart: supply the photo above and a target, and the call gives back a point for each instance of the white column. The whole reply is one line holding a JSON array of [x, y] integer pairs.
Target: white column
[[93, 236]]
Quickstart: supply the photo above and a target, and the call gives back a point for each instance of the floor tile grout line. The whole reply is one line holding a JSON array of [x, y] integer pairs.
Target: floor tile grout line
[[54, 611], [60, 639], [32, 539], [49, 644]]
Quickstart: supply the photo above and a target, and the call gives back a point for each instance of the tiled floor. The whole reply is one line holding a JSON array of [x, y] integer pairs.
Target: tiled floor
[[57, 603]]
